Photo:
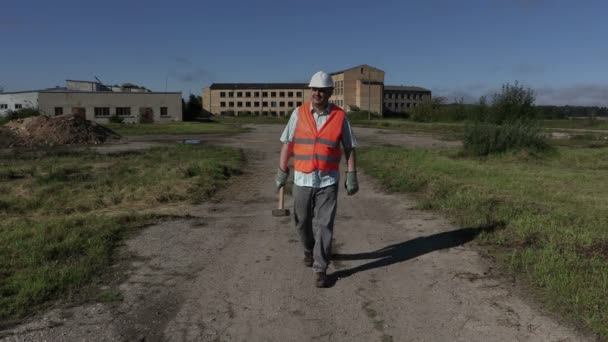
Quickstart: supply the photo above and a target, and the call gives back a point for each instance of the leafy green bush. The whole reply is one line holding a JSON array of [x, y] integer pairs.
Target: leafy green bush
[[483, 138], [509, 124], [20, 114], [362, 115], [116, 119]]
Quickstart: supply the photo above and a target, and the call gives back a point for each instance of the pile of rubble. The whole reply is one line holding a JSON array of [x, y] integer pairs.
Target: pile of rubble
[[68, 129]]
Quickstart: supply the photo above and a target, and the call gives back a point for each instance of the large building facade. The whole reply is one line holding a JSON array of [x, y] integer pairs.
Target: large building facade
[[358, 88], [98, 102]]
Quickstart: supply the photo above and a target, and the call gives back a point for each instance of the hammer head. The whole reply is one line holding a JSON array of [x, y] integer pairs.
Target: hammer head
[[280, 212]]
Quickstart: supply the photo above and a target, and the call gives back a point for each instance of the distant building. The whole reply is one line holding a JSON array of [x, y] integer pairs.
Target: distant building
[[358, 88], [276, 99], [98, 102], [402, 99]]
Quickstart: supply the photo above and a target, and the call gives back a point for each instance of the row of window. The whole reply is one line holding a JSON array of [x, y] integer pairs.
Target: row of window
[[338, 87], [264, 113], [339, 103], [401, 105], [101, 112], [264, 94], [5, 106], [257, 104], [403, 96]]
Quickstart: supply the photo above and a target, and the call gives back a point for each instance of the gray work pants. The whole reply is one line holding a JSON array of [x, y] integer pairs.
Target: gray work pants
[[314, 213]]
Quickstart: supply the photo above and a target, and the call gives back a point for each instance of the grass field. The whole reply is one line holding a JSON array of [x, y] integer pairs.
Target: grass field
[[174, 128], [62, 213], [553, 209]]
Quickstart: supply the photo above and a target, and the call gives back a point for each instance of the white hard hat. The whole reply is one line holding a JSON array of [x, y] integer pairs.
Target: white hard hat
[[321, 79]]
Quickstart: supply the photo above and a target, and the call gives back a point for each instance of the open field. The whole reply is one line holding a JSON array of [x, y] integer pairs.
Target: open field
[[62, 212], [553, 210]]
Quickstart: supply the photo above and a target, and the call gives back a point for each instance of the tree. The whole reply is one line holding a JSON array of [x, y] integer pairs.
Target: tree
[[513, 103], [193, 108]]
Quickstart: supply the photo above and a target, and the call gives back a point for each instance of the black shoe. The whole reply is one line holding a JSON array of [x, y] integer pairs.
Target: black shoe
[[308, 260], [321, 280]]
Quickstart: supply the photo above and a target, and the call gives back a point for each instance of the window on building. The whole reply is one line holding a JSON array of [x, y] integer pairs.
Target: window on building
[[264, 94], [104, 111], [256, 104], [222, 94], [248, 94], [222, 104], [282, 94], [273, 103], [18, 106], [290, 104], [299, 103], [3, 106], [247, 104], [230, 94], [256, 94], [164, 111], [282, 113], [264, 104], [282, 104], [230, 104], [58, 110], [123, 111], [273, 94], [239, 104], [408, 96], [299, 94], [407, 105], [239, 94], [290, 94]]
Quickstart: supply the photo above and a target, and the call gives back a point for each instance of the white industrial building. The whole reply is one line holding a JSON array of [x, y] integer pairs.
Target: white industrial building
[[98, 102]]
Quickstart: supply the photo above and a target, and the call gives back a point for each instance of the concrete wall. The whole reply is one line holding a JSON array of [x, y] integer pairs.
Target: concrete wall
[[9, 100], [356, 94], [231, 102], [69, 101]]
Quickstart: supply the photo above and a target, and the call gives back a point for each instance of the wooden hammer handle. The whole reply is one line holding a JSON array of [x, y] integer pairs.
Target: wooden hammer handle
[[281, 197]]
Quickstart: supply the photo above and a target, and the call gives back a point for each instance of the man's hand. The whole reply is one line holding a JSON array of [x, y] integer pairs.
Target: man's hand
[[281, 178], [351, 184]]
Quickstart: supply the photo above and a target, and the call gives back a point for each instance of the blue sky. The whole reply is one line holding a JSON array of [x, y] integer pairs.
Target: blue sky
[[455, 48]]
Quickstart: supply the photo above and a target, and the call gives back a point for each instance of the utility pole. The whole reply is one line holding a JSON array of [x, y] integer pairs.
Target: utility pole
[[369, 95]]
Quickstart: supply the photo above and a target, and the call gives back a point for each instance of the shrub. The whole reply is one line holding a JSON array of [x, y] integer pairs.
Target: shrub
[[508, 124], [22, 113], [116, 119], [483, 138], [362, 115]]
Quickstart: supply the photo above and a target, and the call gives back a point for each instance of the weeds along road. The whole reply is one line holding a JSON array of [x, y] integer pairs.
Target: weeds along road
[[235, 273]]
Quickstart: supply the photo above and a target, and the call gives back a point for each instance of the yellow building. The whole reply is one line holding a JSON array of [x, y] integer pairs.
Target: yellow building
[[358, 88]]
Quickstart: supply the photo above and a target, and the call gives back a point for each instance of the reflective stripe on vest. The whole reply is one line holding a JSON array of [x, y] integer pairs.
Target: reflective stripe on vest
[[317, 149]]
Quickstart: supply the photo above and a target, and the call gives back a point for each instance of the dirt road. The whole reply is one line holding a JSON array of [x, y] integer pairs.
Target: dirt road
[[234, 273]]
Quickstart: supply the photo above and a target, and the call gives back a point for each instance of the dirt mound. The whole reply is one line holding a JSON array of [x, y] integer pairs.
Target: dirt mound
[[43, 130]]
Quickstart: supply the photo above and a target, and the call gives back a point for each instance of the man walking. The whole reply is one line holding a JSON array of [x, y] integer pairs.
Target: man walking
[[313, 135]]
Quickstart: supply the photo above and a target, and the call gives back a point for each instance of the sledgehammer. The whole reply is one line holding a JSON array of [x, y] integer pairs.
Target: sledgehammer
[[281, 211]]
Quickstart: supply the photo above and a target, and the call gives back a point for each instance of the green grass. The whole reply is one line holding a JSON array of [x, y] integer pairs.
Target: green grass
[[553, 207], [63, 212], [174, 128]]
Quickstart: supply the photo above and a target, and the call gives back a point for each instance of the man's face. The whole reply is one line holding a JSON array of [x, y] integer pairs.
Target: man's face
[[320, 96]]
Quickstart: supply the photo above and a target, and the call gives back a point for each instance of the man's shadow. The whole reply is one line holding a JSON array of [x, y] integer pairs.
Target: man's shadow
[[410, 249]]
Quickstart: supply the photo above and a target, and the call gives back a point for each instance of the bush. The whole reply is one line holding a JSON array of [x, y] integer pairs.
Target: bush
[[116, 119], [483, 138], [509, 124], [362, 115], [20, 114]]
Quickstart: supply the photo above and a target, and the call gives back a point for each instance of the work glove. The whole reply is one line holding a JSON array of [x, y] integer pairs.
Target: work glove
[[351, 184], [281, 178]]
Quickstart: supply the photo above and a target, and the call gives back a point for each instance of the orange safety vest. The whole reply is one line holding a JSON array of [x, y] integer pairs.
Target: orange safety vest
[[317, 149]]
